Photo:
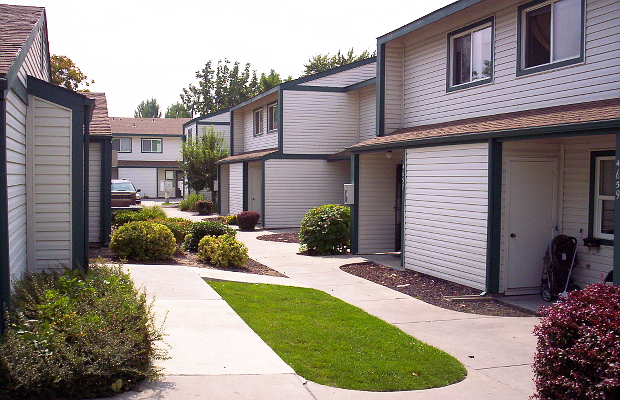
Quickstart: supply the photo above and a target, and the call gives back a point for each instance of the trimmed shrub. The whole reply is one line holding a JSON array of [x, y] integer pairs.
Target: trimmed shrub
[[198, 230], [189, 204], [204, 207], [152, 212], [178, 227], [75, 336], [578, 350], [143, 241], [231, 220], [223, 251], [247, 220], [325, 230], [144, 214]]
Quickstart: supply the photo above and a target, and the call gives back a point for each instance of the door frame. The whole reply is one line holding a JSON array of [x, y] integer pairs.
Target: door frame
[[506, 201]]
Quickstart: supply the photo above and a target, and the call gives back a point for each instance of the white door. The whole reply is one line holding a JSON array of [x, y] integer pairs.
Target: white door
[[532, 188], [255, 183]]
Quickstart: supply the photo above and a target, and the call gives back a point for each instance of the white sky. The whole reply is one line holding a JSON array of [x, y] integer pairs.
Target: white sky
[[135, 50]]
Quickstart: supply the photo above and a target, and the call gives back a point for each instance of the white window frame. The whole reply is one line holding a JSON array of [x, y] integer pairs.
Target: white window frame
[[258, 122], [151, 140], [121, 140], [272, 117], [599, 198], [468, 30]]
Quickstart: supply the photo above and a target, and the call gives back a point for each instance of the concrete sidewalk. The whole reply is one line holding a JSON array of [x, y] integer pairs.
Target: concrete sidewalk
[[215, 355]]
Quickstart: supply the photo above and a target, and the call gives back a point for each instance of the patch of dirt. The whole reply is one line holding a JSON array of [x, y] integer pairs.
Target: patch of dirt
[[289, 237], [432, 290], [189, 259]]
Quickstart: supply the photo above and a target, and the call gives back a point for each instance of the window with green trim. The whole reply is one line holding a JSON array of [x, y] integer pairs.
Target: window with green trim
[[122, 145], [602, 195], [257, 124], [470, 55], [551, 34], [151, 146], [272, 117]]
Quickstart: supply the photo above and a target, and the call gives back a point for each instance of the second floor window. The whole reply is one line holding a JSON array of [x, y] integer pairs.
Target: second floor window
[[258, 122], [272, 117], [122, 145], [471, 55], [551, 34], [151, 146]]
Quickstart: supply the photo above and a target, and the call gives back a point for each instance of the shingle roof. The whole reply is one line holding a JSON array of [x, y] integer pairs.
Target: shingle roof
[[16, 23], [595, 111], [251, 155], [148, 126], [100, 123]]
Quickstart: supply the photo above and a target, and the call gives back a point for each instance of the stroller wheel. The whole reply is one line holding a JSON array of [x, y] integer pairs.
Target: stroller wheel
[[545, 292]]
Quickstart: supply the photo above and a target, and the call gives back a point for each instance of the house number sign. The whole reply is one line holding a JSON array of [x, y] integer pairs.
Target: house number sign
[[617, 179]]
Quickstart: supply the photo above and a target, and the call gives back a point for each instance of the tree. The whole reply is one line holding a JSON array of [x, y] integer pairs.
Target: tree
[[324, 62], [199, 158], [66, 74], [177, 110], [148, 109]]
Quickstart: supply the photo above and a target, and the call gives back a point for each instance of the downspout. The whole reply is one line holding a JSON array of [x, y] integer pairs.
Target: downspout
[[5, 268]]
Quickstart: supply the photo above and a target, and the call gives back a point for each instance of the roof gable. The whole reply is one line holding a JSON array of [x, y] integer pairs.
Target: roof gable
[[100, 122], [16, 25]]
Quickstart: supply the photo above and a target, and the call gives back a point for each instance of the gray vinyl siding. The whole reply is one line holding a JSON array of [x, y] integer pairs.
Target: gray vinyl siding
[[446, 201], [49, 185], [267, 140], [320, 122], [142, 178], [224, 180], [346, 78], [367, 113], [393, 87], [16, 177], [292, 187], [236, 188], [238, 131], [171, 149], [94, 192], [377, 197], [36, 63], [425, 97]]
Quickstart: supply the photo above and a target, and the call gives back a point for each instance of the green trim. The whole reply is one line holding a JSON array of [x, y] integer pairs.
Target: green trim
[[540, 132], [232, 136], [277, 117], [5, 267], [355, 177], [219, 190], [245, 186], [20, 91], [454, 88], [254, 111], [281, 120], [161, 145], [427, 19], [205, 116], [86, 182], [592, 189], [494, 216], [359, 85], [616, 261], [119, 146], [380, 90], [402, 207], [201, 123], [148, 135], [149, 166], [263, 219], [551, 65], [301, 88]]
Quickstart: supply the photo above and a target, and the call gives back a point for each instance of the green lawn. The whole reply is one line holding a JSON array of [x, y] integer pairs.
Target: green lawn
[[333, 343]]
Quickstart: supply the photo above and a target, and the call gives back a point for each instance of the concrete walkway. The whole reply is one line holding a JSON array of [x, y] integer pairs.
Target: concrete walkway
[[215, 355]]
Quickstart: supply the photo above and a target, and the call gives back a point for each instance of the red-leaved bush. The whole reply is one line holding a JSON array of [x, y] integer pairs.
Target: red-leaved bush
[[578, 350], [247, 220]]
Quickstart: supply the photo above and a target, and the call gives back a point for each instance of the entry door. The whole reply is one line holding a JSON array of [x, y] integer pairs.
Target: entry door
[[532, 199], [255, 178]]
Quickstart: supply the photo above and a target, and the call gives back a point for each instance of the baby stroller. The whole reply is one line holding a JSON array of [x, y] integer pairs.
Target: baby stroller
[[559, 261]]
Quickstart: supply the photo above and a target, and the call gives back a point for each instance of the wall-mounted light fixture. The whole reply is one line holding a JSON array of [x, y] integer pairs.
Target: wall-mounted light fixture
[[388, 154]]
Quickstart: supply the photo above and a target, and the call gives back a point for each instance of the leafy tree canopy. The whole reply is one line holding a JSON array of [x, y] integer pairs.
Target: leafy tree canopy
[[66, 74], [148, 109], [324, 62], [177, 110], [227, 85], [199, 158]]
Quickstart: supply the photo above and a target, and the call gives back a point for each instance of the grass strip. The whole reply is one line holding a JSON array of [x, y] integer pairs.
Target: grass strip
[[333, 343]]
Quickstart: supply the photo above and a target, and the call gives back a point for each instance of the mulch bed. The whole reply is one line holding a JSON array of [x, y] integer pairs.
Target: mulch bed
[[432, 290], [289, 237], [188, 259]]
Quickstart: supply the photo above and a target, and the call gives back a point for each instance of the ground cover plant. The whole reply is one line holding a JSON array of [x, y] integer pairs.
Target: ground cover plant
[[333, 343], [325, 230], [72, 335], [578, 350]]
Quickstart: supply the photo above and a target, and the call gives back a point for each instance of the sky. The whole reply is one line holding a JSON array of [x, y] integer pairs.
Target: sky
[[137, 50]]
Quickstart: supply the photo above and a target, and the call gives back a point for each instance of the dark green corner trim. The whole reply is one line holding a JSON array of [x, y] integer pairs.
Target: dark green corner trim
[[617, 216], [360, 85], [494, 216], [592, 189], [106, 188], [303, 88], [232, 136], [427, 19], [219, 190], [552, 65], [403, 202], [355, 179], [5, 268], [204, 123], [20, 90], [86, 179], [58, 95], [79, 190], [380, 90], [332, 71], [280, 120], [263, 218], [245, 186]]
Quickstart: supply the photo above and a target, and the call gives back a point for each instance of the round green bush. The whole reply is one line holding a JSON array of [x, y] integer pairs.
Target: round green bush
[[325, 230], [178, 227], [143, 241], [207, 248], [122, 217], [229, 252], [578, 350], [198, 230]]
